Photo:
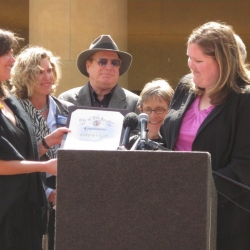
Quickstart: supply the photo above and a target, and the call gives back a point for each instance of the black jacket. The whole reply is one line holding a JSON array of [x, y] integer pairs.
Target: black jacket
[[225, 135], [121, 98]]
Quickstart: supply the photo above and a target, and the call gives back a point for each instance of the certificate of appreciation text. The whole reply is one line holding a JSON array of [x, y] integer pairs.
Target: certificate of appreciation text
[[94, 130]]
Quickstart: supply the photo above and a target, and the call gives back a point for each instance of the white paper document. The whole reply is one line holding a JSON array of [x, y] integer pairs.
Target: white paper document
[[94, 130]]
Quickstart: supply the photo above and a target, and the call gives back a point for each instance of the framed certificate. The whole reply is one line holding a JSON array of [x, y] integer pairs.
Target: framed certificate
[[94, 128]]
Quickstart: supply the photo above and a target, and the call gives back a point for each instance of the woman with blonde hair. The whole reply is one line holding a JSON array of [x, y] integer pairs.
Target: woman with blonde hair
[[35, 76], [154, 100]]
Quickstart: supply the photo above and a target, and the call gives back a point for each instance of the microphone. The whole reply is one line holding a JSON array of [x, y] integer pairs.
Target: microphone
[[143, 119], [130, 122]]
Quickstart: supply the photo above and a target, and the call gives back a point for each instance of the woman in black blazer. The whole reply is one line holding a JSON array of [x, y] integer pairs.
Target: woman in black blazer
[[210, 111], [22, 197]]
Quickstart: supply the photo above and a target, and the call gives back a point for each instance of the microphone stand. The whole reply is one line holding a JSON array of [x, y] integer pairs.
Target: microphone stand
[[156, 146], [134, 147], [143, 142], [141, 145]]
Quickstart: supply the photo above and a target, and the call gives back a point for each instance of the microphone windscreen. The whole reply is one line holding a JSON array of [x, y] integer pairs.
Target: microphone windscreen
[[130, 120], [143, 116]]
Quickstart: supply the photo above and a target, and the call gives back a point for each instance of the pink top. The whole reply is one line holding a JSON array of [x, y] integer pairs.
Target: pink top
[[190, 125]]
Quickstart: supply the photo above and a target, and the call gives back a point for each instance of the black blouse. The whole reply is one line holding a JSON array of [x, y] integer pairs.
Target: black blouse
[[15, 134], [22, 196]]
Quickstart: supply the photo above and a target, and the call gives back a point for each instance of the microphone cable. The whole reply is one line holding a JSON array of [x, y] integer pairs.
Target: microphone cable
[[235, 183], [225, 196]]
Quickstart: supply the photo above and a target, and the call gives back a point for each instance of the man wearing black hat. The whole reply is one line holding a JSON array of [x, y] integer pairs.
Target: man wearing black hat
[[103, 63]]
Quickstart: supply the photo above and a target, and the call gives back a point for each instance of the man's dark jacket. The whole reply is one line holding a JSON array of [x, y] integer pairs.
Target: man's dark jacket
[[121, 98]]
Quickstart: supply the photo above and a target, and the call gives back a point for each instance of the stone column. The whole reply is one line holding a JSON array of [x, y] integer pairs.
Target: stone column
[[67, 27]]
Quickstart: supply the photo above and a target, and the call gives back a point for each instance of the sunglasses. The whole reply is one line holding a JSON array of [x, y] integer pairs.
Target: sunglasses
[[103, 62]]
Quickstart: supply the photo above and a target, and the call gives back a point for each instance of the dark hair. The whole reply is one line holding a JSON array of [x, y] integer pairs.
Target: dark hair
[[8, 41]]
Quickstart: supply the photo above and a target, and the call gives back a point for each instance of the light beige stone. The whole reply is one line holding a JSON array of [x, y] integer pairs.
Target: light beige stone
[[50, 26], [69, 27], [153, 31], [144, 17], [181, 17]]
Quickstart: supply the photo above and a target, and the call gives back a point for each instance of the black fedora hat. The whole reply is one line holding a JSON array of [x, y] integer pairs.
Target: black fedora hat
[[103, 42]]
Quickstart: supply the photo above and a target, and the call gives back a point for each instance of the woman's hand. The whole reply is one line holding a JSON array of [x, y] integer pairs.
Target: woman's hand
[[50, 166], [52, 196], [56, 137]]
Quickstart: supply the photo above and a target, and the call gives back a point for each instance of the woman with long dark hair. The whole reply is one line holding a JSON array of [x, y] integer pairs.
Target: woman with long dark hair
[[22, 197]]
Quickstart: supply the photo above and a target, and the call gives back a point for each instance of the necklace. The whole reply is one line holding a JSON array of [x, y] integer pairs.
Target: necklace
[[43, 109]]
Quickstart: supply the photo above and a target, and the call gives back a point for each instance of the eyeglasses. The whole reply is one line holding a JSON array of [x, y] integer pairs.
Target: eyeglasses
[[157, 110], [103, 62]]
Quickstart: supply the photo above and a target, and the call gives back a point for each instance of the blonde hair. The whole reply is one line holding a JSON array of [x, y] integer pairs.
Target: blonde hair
[[158, 89], [241, 46], [24, 74]]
